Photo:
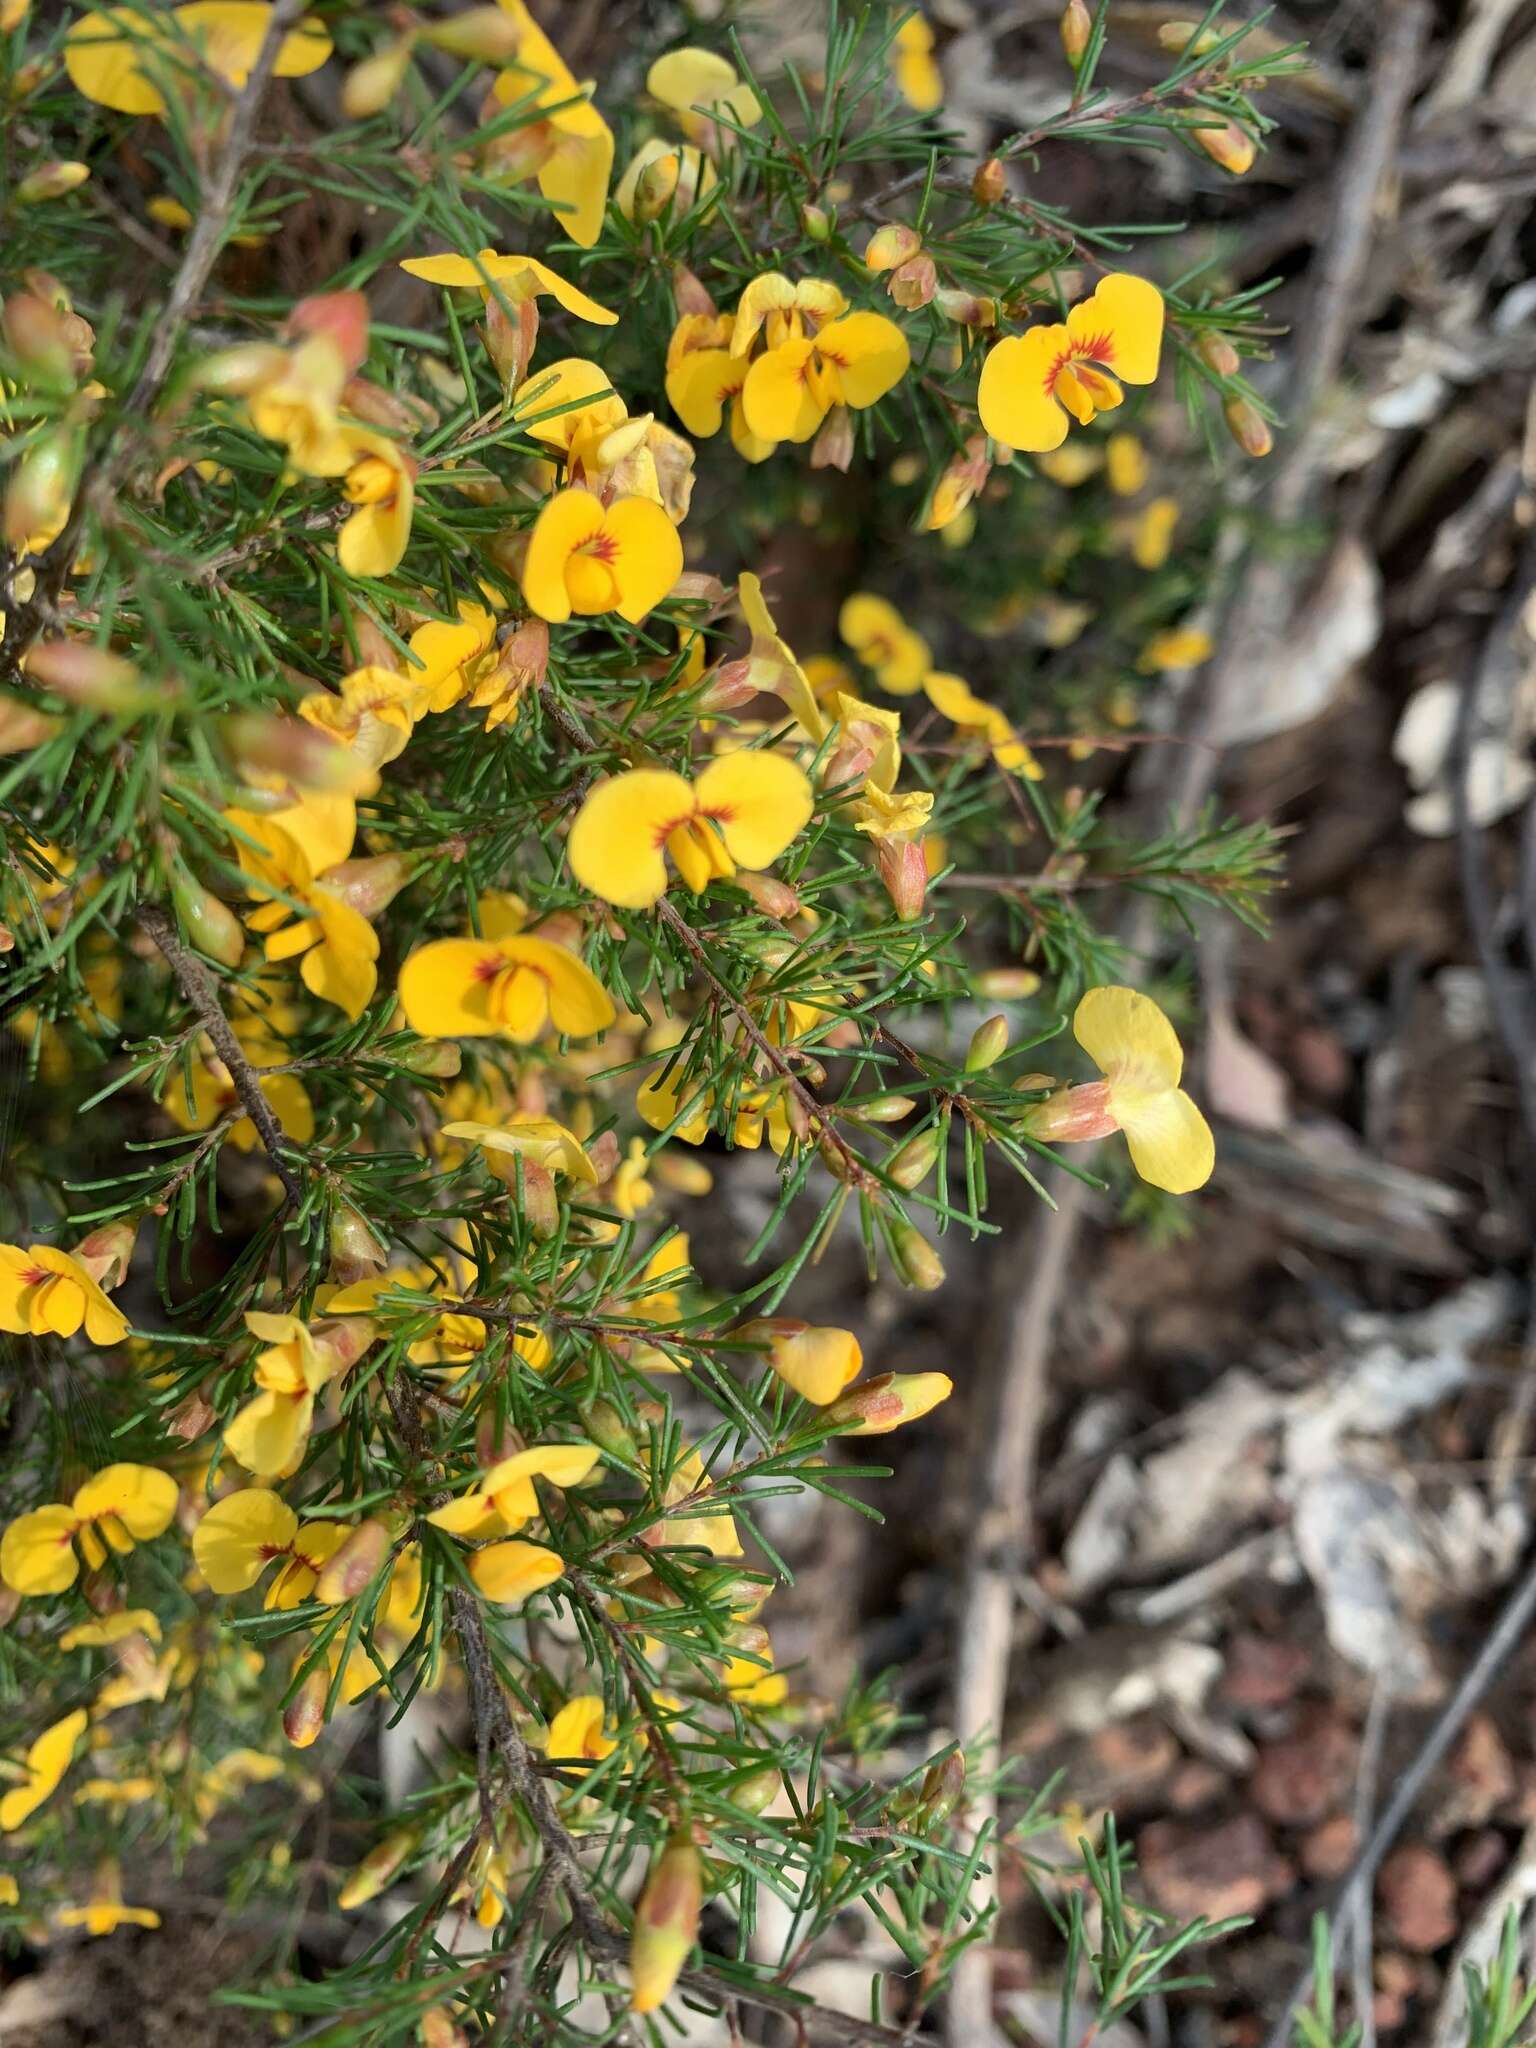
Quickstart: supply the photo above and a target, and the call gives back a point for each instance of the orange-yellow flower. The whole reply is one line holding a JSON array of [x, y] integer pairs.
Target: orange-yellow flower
[[705, 376], [570, 151], [381, 483], [104, 1911], [508, 984], [918, 77], [817, 1363], [578, 1732], [43, 1768], [243, 1535], [1031, 382], [513, 278], [704, 91], [585, 557], [884, 642], [44, 1292], [114, 55], [742, 811], [959, 702], [119, 1506], [271, 1432], [505, 1499], [853, 361], [336, 946]]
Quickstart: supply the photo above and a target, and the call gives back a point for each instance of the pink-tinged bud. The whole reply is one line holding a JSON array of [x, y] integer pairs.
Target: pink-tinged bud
[[989, 1042], [92, 677], [479, 35], [605, 1155], [989, 184], [833, 445], [371, 85], [105, 1254], [10, 1603], [344, 1339], [1072, 1116], [36, 336], [914, 283], [369, 884], [666, 1924], [910, 1165], [511, 337], [942, 1790], [355, 1565], [966, 308], [7, 939], [355, 1251], [1076, 27], [817, 222], [1007, 984], [521, 665], [688, 293], [21, 727], [891, 246], [50, 181], [1248, 427], [396, 415], [729, 687], [378, 1868], [1228, 145], [211, 925], [441, 1058], [904, 872], [41, 487], [26, 78], [880, 1405], [1218, 354], [918, 1265], [343, 316], [294, 749], [191, 1418], [773, 897], [304, 1715], [541, 1205]]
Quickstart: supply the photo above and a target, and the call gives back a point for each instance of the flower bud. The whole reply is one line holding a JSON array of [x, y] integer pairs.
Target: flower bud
[[355, 1251], [605, 1155], [989, 1042], [348, 1570], [1228, 145], [1076, 27], [1072, 1116], [833, 445], [773, 897], [918, 1265], [1180, 38], [211, 925], [41, 487], [511, 335], [371, 85], [989, 185], [92, 677], [817, 222], [942, 1790], [378, 1868], [754, 1791], [914, 283], [12, 14], [541, 1205], [304, 1715], [880, 1405], [688, 293], [26, 78], [50, 181], [1248, 427], [911, 1165], [439, 1057], [8, 944], [192, 1417], [106, 1253], [295, 750], [369, 884], [965, 308], [604, 1424], [885, 1109], [728, 687], [438, 2030], [22, 728], [342, 317], [1007, 984], [891, 246], [36, 336], [666, 1924], [1218, 354], [682, 1173], [904, 872], [480, 35]]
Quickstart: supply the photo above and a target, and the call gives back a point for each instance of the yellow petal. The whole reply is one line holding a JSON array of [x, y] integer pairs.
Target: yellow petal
[[579, 1005], [269, 1434], [561, 1464], [817, 1363], [240, 1535], [509, 1572], [1015, 398], [870, 354], [47, 1761], [700, 386], [781, 399], [552, 404], [36, 1552], [141, 1497], [445, 987], [1170, 1142], [1128, 1038], [570, 521], [1121, 326], [472, 1514], [690, 78], [615, 847], [760, 802], [649, 558]]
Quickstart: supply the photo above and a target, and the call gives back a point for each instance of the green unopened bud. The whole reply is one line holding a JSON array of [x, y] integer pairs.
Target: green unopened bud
[[817, 222], [355, 1251], [1188, 38], [943, 1788], [1076, 27], [296, 750], [50, 181], [877, 1406], [917, 1263], [211, 925], [378, 1868], [1218, 354], [912, 1163], [666, 1924], [369, 87], [606, 1426], [989, 1042], [439, 1057], [480, 35], [42, 484], [885, 1109], [355, 1565], [755, 1791]]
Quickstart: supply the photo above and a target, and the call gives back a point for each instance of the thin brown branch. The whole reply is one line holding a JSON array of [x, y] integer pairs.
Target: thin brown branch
[[196, 984]]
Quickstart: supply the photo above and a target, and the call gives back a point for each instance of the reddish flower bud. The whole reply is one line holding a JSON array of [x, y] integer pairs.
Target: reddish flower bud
[[92, 676], [22, 728], [728, 687], [666, 1924], [371, 883], [878, 1406], [1218, 354], [1072, 1116], [1248, 427], [904, 872], [914, 283], [989, 185], [833, 445], [106, 1253], [378, 1868], [1228, 145], [37, 337], [343, 316], [688, 293], [354, 1565], [304, 1715], [773, 897], [511, 337], [295, 750]]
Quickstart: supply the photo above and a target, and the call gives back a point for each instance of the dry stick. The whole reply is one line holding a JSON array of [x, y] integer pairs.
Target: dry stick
[[196, 984], [1011, 1425]]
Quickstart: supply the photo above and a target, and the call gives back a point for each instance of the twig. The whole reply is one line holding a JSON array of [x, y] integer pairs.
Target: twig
[[196, 984], [1360, 1935]]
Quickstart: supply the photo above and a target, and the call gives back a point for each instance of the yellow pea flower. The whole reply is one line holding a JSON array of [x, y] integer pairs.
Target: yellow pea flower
[[536, 1138], [587, 557], [771, 664], [713, 1530], [515, 278], [117, 1507], [914, 67], [577, 1732], [959, 482], [44, 1292], [244, 1534], [502, 1501], [1179, 647], [754, 1685], [853, 361], [111, 1628], [512, 985], [742, 811], [1136, 1049], [374, 713], [270, 1434], [563, 399], [662, 174], [704, 91], [117, 1792], [1126, 461], [335, 945], [660, 1304], [105, 1912], [509, 1573], [884, 642], [817, 1363], [705, 377], [570, 151], [447, 655], [631, 1190], [958, 701], [381, 483], [43, 1768], [1031, 382], [213, 1095], [10, 1890], [111, 52], [293, 397], [1152, 537]]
